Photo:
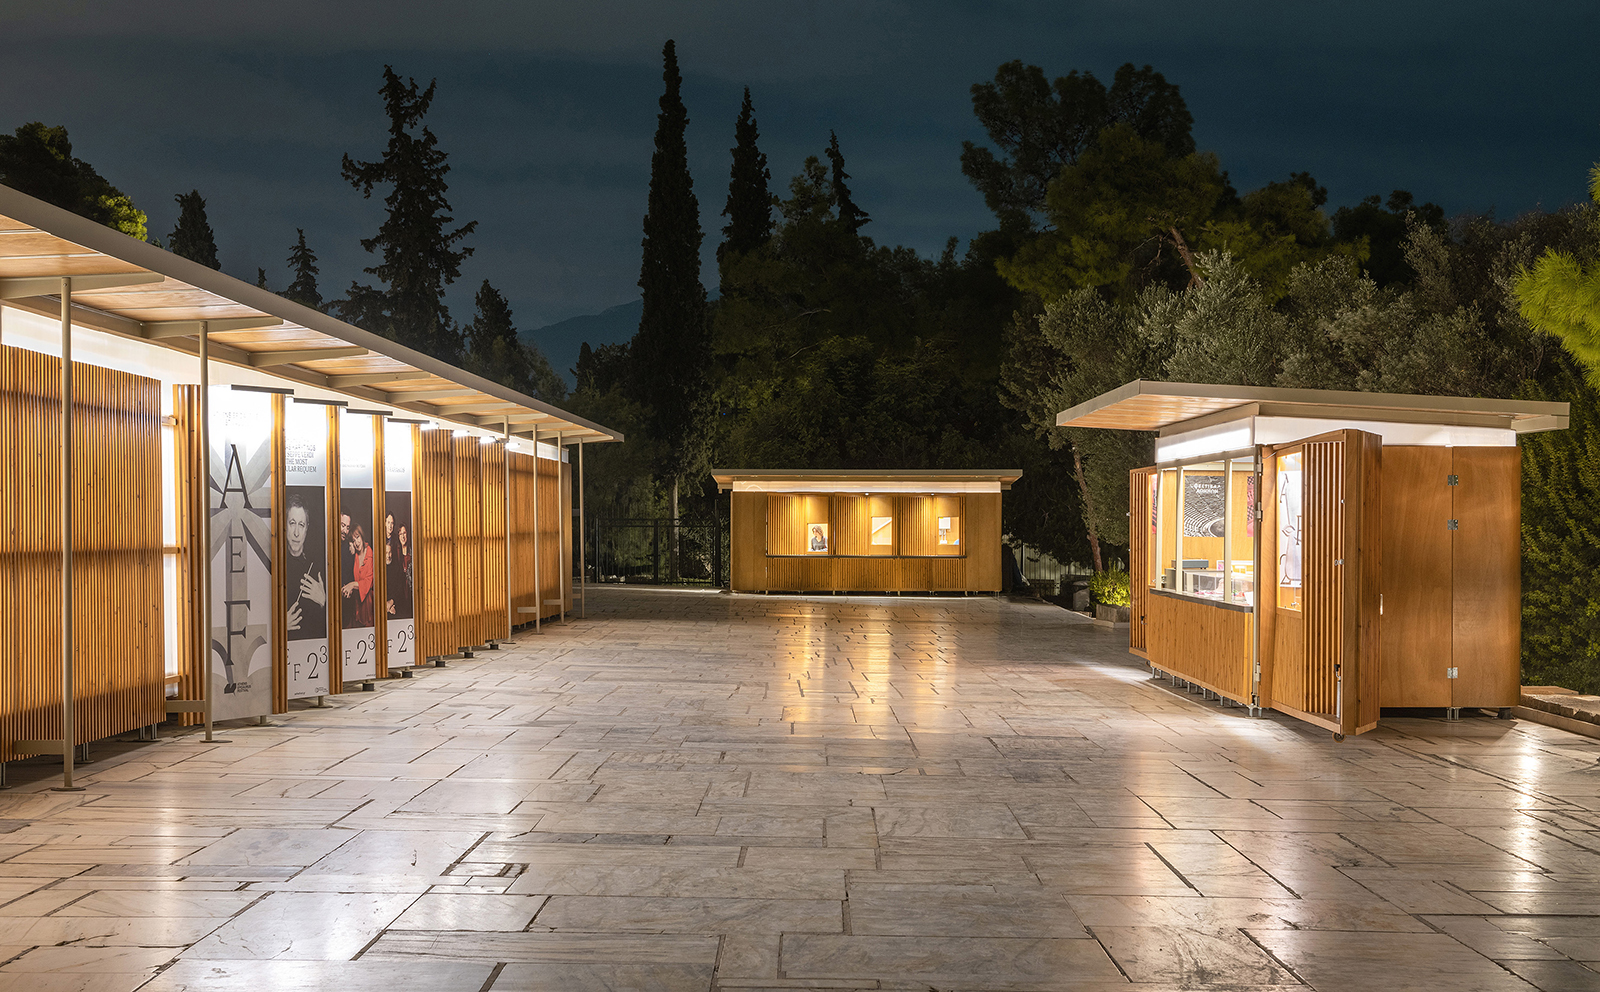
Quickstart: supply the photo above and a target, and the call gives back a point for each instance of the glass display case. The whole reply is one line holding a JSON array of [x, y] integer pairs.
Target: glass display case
[[1291, 478], [1202, 529]]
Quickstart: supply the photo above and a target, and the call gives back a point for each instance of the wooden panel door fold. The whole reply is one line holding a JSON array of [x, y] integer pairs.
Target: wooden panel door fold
[[1140, 528], [1486, 577]]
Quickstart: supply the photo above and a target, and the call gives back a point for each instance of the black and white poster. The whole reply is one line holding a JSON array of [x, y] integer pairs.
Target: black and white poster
[[1202, 505], [399, 555], [305, 526], [357, 561], [240, 491]]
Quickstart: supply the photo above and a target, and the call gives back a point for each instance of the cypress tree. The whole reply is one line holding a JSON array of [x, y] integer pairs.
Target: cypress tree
[[303, 261], [852, 216], [420, 257], [749, 209], [261, 278], [672, 349], [192, 238]]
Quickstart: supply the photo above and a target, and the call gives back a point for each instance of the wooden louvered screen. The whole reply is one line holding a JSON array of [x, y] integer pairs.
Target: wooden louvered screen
[[119, 665], [495, 622], [188, 515], [1140, 554], [1325, 663], [433, 512], [469, 542], [522, 526]]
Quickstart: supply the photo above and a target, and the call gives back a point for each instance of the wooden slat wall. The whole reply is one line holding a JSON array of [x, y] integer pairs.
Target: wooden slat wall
[[433, 511], [1324, 515], [563, 528], [747, 535], [380, 570], [522, 527], [552, 535], [280, 554], [1363, 602], [1201, 642], [469, 542], [495, 622], [1139, 557], [189, 515], [981, 540], [119, 665]]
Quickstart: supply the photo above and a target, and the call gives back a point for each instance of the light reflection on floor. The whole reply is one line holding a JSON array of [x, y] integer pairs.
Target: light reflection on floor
[[695, 791]]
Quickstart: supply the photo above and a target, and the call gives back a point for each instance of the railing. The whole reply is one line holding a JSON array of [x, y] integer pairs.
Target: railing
[[658, 551]]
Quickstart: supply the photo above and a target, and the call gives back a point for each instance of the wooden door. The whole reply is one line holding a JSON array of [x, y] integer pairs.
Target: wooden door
[[1486, 620], [1141, 553], [1416, 631], [1326, 654]]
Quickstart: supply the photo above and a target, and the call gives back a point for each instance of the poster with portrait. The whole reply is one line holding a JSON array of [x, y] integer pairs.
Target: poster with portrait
[[240, 503], [817, 538], [358, 586], [399, 552], [305, 528]]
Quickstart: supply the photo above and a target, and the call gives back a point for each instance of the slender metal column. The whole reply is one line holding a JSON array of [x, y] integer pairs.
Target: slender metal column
[[205, 514], [68, 729], [511, 606], [583, 545], [538, 590]]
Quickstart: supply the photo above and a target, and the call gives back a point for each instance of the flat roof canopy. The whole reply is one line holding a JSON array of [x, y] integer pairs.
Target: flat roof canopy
[[1169, 407], [850, 479], [125, 287]]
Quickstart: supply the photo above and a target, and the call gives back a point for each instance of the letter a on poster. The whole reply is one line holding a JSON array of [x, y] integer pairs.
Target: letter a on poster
[[358, 588], [241, 558], [399, 552], [305, 526]]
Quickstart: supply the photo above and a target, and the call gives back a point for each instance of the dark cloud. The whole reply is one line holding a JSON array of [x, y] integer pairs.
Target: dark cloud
[[548, 109]]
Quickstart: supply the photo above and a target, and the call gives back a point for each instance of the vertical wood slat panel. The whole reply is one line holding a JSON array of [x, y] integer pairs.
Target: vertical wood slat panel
[[119, 664], [1324, 515], [280, 558], [1139, 557], [335, 557], [564, 520], [434, 515], [495, 625], [189, 489], [551, 536], [380, 546], [523, 595], [468, 550]]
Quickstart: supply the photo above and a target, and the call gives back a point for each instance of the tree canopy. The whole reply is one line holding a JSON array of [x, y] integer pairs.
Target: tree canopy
[[192, 237], [38, 160]]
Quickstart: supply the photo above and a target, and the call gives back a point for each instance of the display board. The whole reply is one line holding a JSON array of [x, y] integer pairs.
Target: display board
[[358, 562], [240, 503], [305, 526], [399, 557]]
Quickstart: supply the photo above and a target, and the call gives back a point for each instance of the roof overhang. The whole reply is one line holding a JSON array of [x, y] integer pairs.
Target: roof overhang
[[865, 480], [123, 286], [1174, 407]]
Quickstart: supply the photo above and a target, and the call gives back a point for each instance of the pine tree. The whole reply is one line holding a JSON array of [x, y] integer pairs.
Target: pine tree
[[852, 216], [37, 160], [192, 238], [261, 278], [749, 209], [672, 349], [303, 261], [419, 254], [497, 352]]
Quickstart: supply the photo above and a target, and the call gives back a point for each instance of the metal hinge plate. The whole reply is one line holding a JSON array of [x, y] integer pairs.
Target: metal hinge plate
[[1452, 480], [1452, 673], [1452, 525]]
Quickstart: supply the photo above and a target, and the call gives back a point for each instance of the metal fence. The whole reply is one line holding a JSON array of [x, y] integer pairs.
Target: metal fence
[[658, 551]]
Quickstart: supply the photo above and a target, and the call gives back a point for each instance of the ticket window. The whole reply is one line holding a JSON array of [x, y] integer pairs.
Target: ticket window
[[799, 525], [949, 537], [1202, 529], [1287, 516], [867, 526]]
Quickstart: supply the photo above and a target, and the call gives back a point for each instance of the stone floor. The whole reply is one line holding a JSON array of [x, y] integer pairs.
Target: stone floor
[[698, 791]]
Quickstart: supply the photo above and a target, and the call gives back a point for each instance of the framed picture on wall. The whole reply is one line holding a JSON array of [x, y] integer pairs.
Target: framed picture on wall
[[817, 538], [882, 531], [949, 531]]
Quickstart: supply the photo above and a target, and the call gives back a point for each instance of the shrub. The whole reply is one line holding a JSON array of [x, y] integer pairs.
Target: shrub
[[1110, 588]]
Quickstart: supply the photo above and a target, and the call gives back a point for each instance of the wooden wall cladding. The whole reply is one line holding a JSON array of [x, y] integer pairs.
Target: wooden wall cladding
[[496, 622], [523, 523], [189, 514], [119, 663], [1324, 515], [468, 542], [1201, 642], [747, 537], [1486, 577], [1416, 629], [1140, 552], [552, 537], [980, 541], [434, 514]]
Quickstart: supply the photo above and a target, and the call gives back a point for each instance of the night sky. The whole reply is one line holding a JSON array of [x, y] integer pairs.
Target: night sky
[[548, 110]]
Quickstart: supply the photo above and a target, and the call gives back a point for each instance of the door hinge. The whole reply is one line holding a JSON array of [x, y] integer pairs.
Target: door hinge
[[1452, 480], [1452, 525], [1338, 561], [1452, 673]]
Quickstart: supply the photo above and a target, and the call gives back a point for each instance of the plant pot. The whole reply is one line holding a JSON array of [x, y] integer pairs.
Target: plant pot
[[1111, 614]]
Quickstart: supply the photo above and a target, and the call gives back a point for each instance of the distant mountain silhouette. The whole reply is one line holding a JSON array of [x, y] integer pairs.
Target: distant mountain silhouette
[[560, 341]]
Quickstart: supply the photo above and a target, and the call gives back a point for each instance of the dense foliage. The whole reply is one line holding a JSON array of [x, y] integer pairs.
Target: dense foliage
[[38, 160]]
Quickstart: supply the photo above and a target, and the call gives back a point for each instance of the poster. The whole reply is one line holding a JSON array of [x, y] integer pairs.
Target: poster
[[816, 537], [240, 503], [305, 527], [357, 561], [1202, 505], [399, 557], [882, 531]]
